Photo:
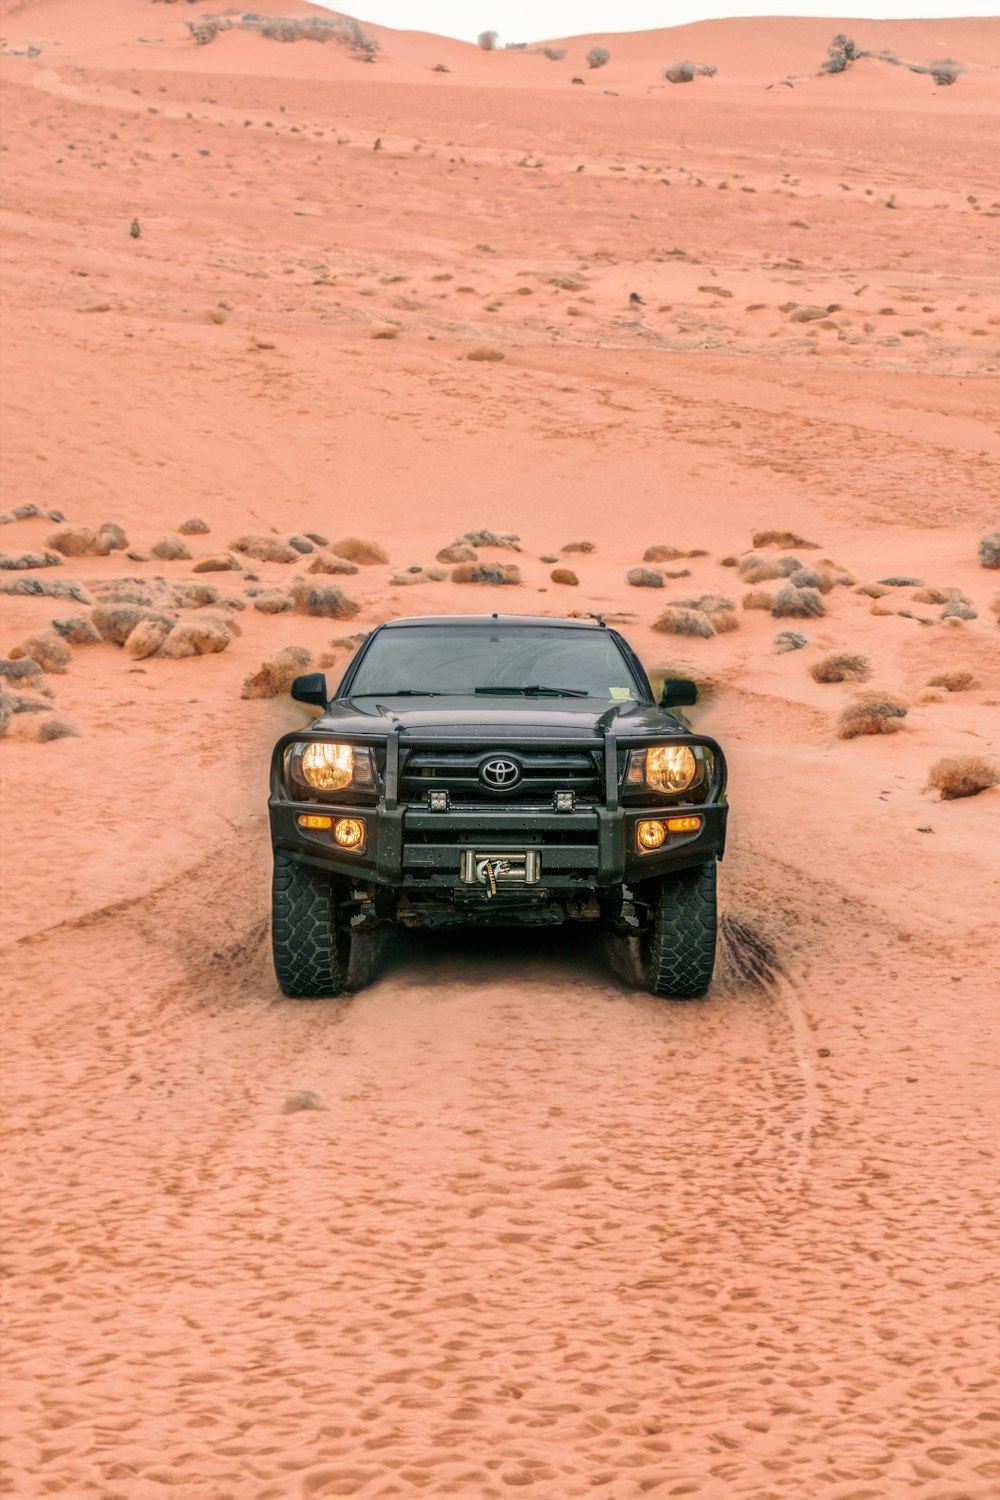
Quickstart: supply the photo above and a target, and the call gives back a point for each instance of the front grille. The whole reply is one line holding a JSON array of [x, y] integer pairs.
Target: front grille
[[457, 770]]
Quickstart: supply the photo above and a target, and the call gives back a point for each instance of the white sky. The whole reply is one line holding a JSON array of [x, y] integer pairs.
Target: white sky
[[534, 20]]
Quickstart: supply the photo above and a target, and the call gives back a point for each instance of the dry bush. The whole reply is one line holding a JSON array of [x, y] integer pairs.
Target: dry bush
[[200, 637], [265, 549], [217, 562], [789, 640], [170, 549], [782, 539], [324, 563], [579, 547], [962, 776], [486, 41], [759, 569], [644, 578], [330, 603], [277, 673], [356, 550], [56, 728], [193, 526], [76, 631], [194, 595], [758, 599], [49, 650], [459, 552], [676, 621], [383, 331], [485, 353], [953, 681], [492, 572], [841, 667], [146, 639], [597, 57], [15, 669], [272, 602], [808, 578], [687, 72], [724, 620], [989, 550], [564, 575], [84, 541], [871, 714], [116, 622], [799, 604], [661, 552]]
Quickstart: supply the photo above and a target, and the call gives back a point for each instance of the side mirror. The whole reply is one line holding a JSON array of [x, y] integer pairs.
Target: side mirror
[[678, 692], [311, 689]]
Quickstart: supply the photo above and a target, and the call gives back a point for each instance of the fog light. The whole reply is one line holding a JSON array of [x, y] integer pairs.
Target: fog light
[[564, 801], [438, 801], [313, 820], [349, 833], [683, 825], [650, 835]]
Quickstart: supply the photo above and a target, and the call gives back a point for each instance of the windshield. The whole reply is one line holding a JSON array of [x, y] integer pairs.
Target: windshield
[[475, 660]]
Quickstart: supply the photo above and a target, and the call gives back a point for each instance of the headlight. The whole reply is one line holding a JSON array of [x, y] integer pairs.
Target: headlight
[[662, 768], [327, 766]]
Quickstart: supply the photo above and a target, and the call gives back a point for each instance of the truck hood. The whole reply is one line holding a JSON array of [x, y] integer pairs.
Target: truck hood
[[453, 717]]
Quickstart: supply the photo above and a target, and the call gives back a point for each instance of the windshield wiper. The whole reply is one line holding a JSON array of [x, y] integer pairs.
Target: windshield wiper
[[407, 693], [534, 690]]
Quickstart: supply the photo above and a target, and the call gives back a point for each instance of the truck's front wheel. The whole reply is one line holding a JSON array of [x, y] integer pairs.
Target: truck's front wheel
[[311, 950], [677, 947]]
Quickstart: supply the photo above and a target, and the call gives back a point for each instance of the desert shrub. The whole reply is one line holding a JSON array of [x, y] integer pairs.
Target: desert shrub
[[193, 526], [808, 578], [277, 673], [483, 354], [312, 599], [841, 667], [56, 728], [77, 631], [146, 639], [357, 550], [565, 576], [676, 621], [724, 620], [871, 714], [802, 604], [758, 569], [116, 622], [15, 669], [789, 640], [840, 54], [200, 637], [957, 609], [324, 563], [587, 547], [758, 599], [554, 54], [486, 41], [644, 578], [458, 552], [782, 539], [217, 562], [962, 776], [597, 57], [953, 681], [687, 72], [265, 549], [989, 550], [170, 549], [483, 572], [49, 650]]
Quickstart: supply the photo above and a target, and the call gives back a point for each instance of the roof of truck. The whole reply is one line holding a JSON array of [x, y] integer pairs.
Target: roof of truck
[[497, 619]]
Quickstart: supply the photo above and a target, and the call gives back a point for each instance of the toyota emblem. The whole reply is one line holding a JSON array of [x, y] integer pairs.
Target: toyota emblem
[[500, 774]]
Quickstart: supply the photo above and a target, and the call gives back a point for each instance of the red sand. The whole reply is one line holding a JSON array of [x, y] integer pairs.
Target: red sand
[[545, 1233]]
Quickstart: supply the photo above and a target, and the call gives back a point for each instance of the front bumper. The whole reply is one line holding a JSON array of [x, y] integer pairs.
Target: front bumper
[[410, 848]]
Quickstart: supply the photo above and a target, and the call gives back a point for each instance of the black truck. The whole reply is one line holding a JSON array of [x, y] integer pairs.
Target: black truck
[[500, 770]]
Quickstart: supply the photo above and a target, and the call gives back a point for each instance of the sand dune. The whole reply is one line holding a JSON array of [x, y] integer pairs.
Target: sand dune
[[498, 1221]]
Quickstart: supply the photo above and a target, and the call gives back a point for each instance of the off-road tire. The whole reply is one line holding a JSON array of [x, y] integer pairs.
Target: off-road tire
[[677, 949], [311, 951]]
